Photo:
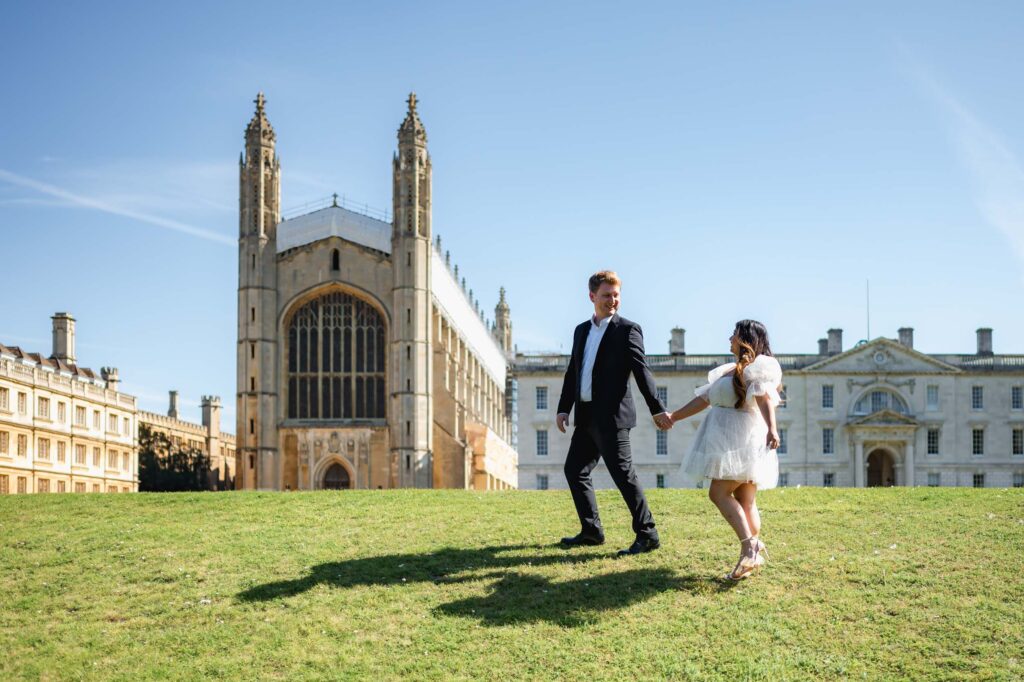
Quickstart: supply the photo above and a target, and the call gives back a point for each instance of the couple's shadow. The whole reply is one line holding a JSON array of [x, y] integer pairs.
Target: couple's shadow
[[515, 596]]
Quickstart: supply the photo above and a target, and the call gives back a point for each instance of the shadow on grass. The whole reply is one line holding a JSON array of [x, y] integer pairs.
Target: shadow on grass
[[441, 566], [518, 598], [514, 597]]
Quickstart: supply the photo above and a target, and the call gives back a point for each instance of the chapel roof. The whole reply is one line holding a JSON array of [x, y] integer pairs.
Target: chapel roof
[[334, 221]]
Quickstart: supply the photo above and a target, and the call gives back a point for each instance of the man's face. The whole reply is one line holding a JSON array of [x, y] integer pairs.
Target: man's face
[[606, 300]]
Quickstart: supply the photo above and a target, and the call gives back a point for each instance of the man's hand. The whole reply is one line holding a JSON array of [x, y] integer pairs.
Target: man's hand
[[562, 420], [663, 421]]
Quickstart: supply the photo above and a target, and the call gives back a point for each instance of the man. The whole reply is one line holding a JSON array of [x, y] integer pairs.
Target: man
[[606, 349]]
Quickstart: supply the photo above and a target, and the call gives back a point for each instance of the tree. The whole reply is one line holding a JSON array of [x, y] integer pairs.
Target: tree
[[166, 467]]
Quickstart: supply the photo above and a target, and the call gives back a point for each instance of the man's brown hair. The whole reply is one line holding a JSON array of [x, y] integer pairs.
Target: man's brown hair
[[601, 277]]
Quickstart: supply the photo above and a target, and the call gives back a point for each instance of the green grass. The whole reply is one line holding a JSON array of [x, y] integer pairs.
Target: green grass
[[878, 584]]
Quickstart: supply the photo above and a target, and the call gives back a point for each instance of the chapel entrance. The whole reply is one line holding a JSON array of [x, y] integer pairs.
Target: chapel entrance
[[336, 478], [880, 470]]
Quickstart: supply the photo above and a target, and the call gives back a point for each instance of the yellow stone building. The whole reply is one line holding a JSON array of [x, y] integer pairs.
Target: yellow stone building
[[206, 437], [63, 428], [363, 361]]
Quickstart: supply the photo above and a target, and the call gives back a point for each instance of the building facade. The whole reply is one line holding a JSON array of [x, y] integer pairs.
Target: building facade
[[881, 413], [205, 437], [63, 428], [363, 361]]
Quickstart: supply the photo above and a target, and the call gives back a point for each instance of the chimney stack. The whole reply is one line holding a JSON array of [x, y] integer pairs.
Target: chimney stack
[[906, 336], [211, 414], [109, 375], [64, 337], [677, 344], [172, 411], [985, 341], [822, 346], [835, 341]]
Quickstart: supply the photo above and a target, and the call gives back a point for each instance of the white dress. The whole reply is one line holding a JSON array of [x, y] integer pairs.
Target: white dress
[[731, 443]]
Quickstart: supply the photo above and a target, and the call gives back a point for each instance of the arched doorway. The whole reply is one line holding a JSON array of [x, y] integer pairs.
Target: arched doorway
[[881, 472], [336, 478]]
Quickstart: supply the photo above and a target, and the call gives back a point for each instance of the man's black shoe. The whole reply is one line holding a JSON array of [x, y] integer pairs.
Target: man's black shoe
[[640, 546], [582, 540]]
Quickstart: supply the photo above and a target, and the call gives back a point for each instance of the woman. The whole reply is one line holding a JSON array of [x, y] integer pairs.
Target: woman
[[735, 446]]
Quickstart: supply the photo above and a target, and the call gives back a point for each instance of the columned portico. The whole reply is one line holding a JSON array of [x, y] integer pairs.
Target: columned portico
[[858, 464], [888, 436]]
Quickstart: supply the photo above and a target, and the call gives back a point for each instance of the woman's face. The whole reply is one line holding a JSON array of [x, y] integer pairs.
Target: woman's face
[[734, 343]]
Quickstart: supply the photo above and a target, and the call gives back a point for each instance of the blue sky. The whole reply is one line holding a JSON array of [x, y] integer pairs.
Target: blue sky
[[729, 160]]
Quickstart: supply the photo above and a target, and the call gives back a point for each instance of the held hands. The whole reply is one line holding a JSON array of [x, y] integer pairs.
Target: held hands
[[772, 441], [663, 421]]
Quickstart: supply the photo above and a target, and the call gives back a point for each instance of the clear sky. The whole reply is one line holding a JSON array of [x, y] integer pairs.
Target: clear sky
[[730, 160]]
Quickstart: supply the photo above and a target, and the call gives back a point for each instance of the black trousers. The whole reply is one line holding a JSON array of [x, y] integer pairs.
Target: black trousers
[[590, 442]]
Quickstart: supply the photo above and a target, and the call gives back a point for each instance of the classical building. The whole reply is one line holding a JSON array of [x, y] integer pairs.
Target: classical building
[[363, 362], [205, 437], [63, 428], [878, 414]]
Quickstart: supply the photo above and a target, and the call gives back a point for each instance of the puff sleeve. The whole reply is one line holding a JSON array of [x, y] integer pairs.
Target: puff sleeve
[[713, 376], [763, 377]]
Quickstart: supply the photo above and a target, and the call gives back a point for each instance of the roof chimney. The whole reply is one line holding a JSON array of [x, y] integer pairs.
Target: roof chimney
[[172, 411], [64, 337], [906, 336], [677, 344], [835, 341], [109, 375], [822, 346], [985, 341]]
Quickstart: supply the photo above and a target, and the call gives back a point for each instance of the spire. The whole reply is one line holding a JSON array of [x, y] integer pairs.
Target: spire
[[259, 130], [412, 129], [503, 322]]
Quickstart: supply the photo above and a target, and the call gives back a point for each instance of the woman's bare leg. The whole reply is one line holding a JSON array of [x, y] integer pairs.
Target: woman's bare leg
[[745, 494], [721, 493]]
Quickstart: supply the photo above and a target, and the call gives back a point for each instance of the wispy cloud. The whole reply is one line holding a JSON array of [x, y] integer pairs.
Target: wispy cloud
[[996, 172], [113, 208]]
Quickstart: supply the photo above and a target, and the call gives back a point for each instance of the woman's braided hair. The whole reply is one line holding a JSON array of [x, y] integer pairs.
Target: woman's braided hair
[[753, 341]]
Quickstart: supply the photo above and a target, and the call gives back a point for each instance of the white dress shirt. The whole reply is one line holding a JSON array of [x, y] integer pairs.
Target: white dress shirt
[[597, 330]]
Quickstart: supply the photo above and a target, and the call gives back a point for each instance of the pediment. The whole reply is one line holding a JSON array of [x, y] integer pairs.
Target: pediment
[[882, 355], [884, 418]]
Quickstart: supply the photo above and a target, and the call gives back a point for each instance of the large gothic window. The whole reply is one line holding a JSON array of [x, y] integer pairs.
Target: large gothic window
[[336, 360]]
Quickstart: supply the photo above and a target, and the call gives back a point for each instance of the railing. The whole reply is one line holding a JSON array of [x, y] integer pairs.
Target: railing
[[983, 361], [340, 201]]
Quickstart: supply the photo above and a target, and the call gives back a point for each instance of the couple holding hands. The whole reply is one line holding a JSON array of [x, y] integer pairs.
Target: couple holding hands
[[734, 447]]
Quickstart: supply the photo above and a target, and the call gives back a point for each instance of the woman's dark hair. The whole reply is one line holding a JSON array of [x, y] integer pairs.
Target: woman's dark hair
[[753, 341]]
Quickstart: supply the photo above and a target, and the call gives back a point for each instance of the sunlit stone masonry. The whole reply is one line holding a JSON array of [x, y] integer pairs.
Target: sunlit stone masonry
[[63, 427], [363, 360], [879, 414]]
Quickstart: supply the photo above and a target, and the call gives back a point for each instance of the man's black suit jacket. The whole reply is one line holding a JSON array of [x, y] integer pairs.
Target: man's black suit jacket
[[621, 352]]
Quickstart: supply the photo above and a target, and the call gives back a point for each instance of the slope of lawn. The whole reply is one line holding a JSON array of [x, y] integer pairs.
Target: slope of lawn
[[924, 583]]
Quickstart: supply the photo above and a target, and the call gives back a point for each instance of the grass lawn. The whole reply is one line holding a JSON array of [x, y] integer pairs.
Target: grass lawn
[[925, 583]]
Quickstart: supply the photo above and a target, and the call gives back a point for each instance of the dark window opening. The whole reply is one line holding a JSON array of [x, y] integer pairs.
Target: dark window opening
[[336, 366]]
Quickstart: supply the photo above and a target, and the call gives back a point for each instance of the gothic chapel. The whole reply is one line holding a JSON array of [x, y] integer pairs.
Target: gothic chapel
[[362, 360]]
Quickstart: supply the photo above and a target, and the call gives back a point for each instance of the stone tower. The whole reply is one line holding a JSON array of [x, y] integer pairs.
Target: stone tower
[[259, 207], [411, 403], [503, 323]]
